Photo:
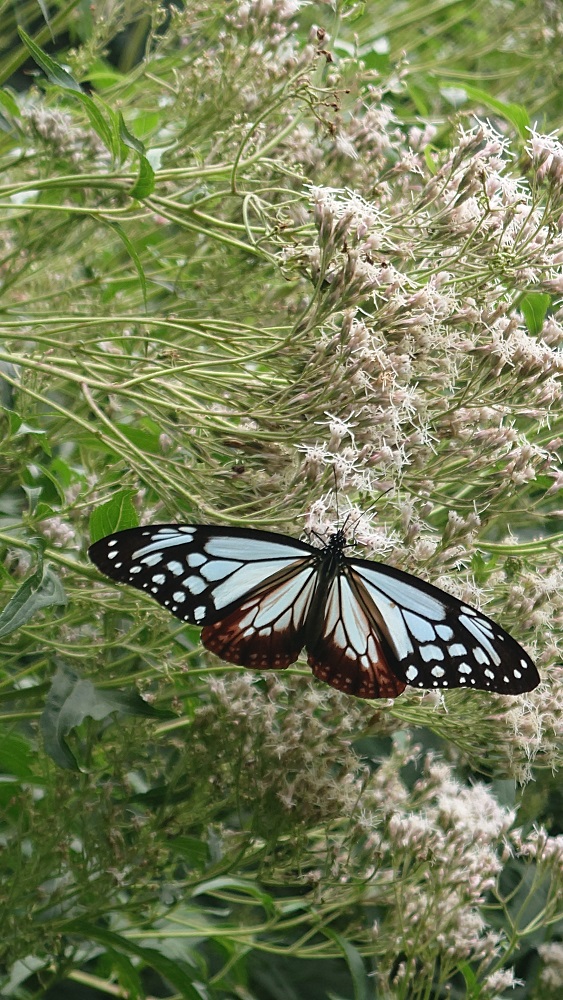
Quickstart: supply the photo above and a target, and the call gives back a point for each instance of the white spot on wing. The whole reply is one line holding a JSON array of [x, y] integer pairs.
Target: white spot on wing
[[195, 559], [457, 649], [422, 630], [175, 567], [473, 626], [429, 653], [218, 569], [437, 671], [411, 673], [445, 632], [179, 596], [153, 559], [163, 539]]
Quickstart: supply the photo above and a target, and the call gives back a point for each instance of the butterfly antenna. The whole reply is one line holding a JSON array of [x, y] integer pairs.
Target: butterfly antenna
[[336, 494]]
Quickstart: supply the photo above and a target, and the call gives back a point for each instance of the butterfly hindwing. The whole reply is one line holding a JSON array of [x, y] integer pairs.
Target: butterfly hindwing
[[347, 651], [200, 573], [438, 641], [266, 630]]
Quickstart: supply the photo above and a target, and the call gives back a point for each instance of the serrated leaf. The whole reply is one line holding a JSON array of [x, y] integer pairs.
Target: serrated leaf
[[128, 139], [144, 185], [99, 123], [145, 440], [41, 590], [33, 493], [115, 515], [52, 69]]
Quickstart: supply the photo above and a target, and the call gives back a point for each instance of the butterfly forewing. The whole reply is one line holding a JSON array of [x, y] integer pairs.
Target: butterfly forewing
[[199, 573], [348, 652], [438, 641]]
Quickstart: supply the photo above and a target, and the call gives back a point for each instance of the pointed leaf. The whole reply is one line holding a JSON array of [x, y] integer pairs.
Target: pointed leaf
[[534, 307], [72, 699], [516, 114], [355, 963], [115, 515], [181, 978], [144, 185], [99, 123], [39, 591], [131, 251], [128, 139], [52, 69]]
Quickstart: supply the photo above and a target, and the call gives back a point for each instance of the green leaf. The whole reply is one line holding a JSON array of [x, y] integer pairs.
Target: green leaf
[[195, 851], [144, 440], [355, 964], [175, 972], [9, 103], [128, 139], [99, 123], [534, 307], [9, 375], [52, 69], [144, 185], [39, 591], [234, 886], [124, 972], [131, 703], [115, 515], [72, 699], [131, 251], [16, 756], [516, 114]]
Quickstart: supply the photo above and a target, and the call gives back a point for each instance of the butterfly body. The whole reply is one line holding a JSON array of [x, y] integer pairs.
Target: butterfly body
[[260, 597]]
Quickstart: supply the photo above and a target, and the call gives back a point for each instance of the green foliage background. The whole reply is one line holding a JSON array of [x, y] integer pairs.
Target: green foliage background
[[164, 354]]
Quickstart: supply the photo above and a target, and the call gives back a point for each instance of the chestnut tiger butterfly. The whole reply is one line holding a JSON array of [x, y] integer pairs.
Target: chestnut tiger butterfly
[[260, 597]]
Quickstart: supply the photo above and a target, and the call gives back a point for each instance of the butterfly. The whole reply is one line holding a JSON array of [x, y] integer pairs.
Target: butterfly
[[369, 629]]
